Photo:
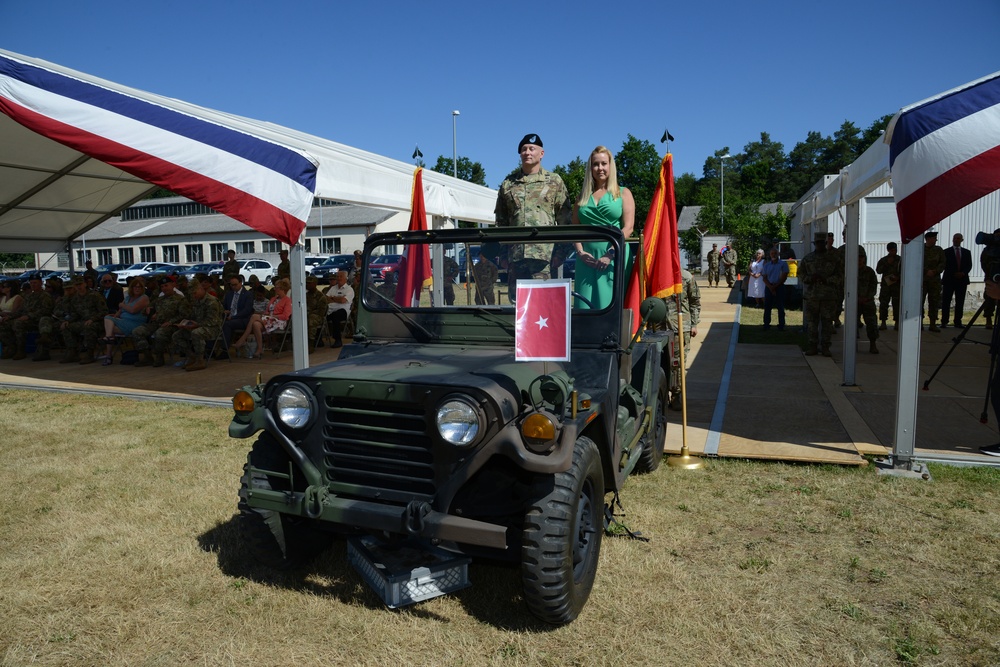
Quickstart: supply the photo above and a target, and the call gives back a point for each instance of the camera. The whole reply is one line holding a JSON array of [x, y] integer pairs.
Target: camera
[[991, 254]]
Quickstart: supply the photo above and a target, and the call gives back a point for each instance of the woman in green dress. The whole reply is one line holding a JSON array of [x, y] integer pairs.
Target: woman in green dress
[[601, 202]]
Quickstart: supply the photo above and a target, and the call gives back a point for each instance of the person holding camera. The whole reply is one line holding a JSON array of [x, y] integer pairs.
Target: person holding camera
[[985, 261], [992, 290]]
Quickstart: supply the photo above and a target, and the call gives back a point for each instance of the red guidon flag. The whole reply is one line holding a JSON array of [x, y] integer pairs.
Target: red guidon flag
[[542, 320], [415, 265], [661, 259]]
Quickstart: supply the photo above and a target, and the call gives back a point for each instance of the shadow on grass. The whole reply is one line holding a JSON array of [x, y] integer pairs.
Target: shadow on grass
[[493, 598]]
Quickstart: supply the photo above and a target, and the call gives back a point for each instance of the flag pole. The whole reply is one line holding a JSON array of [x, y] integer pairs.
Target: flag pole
[[684, 460]]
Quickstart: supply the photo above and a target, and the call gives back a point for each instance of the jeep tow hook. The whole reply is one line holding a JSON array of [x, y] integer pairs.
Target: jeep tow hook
[[312, 502], [413, 516]]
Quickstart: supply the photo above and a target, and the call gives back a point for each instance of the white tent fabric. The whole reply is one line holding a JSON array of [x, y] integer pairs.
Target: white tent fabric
[[50, 193]]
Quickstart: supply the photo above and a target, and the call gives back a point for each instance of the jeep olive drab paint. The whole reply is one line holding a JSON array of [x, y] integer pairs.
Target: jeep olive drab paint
[[427, 431]]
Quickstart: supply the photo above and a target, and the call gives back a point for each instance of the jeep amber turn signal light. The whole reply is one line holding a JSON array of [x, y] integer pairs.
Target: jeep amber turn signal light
[[243, 403], [538, 427]]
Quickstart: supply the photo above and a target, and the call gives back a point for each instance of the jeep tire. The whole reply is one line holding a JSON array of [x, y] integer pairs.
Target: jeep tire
[[655, 440], [561, 539], [272, 539]]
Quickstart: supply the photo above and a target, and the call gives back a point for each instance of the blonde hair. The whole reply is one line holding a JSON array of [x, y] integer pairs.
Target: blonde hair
[[285, 284], [588, 181]]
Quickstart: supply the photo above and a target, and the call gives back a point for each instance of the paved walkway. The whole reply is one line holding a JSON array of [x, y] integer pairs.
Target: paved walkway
[[772, 402]]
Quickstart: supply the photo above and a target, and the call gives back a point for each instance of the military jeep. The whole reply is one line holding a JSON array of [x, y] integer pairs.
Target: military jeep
[[427, 430]]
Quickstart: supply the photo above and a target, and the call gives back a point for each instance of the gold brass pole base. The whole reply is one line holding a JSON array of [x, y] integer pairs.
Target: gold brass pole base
[[685, 461]]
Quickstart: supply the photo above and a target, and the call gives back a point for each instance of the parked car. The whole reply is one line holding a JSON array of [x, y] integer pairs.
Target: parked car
[[383, 265], [45, 274], [195, 269], [252, 267], [142, 268], [312, 262], [333, 264], [110, 268]]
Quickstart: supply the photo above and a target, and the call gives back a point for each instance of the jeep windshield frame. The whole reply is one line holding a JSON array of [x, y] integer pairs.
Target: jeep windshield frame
[[596, 321]]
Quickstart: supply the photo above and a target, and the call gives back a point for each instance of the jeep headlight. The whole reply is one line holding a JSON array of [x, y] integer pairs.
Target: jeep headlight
[[293, 407], [459, 421]]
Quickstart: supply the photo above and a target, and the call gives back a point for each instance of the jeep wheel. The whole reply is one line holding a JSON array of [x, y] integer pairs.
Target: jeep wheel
[[654, 441], [562, 534], [273, 539]]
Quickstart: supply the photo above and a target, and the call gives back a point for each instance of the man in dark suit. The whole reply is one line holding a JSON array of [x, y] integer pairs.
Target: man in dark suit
[[957, 265], [238, 306], [112, 292]]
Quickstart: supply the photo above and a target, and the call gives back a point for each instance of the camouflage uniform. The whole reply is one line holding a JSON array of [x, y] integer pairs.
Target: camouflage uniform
[[821, 275], [889, 268], [230, 270], [486, 274], [14, 333], [169, 311], [316, 306], [729, 259], [207, 312], [532, 200], [691, 313], [713, 266], [450, 273], [284, 270], [933, 265], [867, 285], [842, 258], [84, 317]]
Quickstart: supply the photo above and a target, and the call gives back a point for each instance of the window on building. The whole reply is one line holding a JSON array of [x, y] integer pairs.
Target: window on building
[[880, 222], [171, 254], [194, 254], [81, 257], [104, 257], [245, 247], [271, 246], [218, 251], [147, 253], [330, 246], [309, 245], [126, 257]]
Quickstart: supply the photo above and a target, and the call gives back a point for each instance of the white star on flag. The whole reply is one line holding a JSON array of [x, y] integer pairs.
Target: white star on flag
[[542, 322]]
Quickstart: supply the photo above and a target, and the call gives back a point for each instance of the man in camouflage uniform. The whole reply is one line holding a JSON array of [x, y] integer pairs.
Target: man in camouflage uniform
[[83, 317], [191, 335], [37, 304], [889, 268], [729, 261], [820, 273], [714, 256], [450, 274], [486, 274], [842, 258], [316, 306], [532, 197], [284, 267], [231, 268], [867, 285], [171, 308], [933, 266]]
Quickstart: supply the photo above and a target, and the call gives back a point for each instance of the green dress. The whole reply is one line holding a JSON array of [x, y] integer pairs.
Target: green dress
[[593, 284]]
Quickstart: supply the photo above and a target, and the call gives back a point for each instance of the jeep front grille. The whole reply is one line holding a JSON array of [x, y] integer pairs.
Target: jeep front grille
[[378, 451]]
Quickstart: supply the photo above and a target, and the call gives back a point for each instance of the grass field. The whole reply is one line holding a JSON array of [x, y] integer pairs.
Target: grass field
[[119, 548]]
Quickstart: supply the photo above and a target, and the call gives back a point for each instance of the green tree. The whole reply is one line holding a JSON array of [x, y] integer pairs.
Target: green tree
[[15, 262], [638, 166], [573, 175], [467, 169]]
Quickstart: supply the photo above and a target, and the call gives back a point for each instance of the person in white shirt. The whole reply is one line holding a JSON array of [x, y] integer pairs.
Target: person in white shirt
[[339, 297]]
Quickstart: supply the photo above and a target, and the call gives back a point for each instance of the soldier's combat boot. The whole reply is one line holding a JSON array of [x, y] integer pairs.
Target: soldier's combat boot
[[872, 347], [989, 322], [20, 352], [934, 327], [72, 357], [882, 327], [196, 365], [157, 359], [144, 359], [41, 349], [87, 357]]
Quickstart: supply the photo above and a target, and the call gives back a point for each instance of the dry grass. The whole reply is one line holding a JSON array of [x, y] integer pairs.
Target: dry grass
[[119, 549]]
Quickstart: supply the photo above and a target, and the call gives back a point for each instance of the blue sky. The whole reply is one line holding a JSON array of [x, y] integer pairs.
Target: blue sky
[[385, 76]]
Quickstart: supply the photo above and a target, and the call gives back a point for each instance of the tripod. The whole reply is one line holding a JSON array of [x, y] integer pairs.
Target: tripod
[[994, 349]]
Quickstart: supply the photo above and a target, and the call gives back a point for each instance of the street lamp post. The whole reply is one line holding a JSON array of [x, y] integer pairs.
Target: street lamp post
[[454, 142], [722, 191]]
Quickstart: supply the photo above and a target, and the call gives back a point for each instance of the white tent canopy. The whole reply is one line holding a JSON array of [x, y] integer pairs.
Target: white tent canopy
[[50, 194]]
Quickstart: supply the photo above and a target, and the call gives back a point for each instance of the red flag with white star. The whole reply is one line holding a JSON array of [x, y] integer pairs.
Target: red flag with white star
[[542, 320]]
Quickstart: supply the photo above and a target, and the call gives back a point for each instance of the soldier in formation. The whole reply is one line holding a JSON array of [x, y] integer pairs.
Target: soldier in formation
[[933, 266], [450, 275], [867, 286], [714, 256], [486, 274], [889, 268], [729, 259], [821, 273], [231, 268]]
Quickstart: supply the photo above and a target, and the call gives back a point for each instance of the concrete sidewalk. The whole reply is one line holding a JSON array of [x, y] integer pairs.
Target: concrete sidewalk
[[772, 402]]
